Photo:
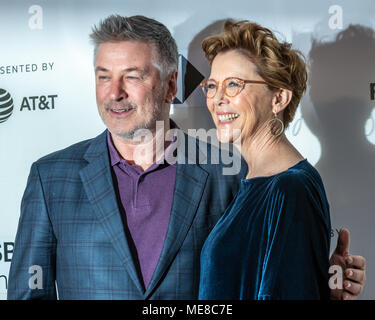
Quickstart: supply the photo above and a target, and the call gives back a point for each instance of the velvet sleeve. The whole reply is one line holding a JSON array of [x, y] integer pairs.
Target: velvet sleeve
[[296, 261]]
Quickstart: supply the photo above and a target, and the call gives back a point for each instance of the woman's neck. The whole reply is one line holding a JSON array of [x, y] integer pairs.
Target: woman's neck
[[267, 155]]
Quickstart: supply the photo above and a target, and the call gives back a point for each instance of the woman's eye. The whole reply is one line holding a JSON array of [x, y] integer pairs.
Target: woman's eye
[[233, 84], [211, 86]]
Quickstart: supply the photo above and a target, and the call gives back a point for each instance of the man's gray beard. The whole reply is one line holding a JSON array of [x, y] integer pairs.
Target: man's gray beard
[[142, 130]]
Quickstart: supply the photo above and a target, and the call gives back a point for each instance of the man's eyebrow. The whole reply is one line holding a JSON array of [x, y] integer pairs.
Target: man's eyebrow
[[136, 69], [130, 69], [97, 69]]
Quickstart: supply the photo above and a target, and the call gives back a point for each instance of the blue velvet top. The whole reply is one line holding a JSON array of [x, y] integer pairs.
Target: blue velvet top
[[272, 242]]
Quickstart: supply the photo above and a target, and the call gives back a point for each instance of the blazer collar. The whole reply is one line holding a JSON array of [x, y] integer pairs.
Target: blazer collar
[[189, 187], [97, 181]]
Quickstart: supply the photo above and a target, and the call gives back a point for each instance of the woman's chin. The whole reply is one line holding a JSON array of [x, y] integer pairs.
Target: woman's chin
[[227, 135]]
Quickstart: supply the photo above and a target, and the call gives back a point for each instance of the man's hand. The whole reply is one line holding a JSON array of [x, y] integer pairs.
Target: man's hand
[[354, 269]]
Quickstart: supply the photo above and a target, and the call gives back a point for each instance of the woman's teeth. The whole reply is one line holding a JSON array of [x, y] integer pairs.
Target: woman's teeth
[[228, 117]]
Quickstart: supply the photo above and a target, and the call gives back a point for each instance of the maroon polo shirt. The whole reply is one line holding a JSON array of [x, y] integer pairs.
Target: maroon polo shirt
[[146, 197]]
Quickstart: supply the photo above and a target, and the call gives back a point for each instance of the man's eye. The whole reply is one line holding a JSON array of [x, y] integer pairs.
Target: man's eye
[[102, 77], [211, 86], [132, 78]]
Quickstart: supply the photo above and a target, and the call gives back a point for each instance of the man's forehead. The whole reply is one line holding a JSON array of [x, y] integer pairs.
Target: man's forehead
[[134, 54], [136, 49], [142, 70], [127, 45]]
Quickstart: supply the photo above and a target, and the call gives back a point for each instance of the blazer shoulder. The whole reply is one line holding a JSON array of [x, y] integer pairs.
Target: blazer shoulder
[[75, 152]]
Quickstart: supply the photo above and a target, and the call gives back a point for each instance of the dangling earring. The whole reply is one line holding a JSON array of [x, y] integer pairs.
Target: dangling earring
[[272, 124]]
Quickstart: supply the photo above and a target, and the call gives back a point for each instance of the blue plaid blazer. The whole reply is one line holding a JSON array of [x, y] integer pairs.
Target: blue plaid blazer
[[70, 226]]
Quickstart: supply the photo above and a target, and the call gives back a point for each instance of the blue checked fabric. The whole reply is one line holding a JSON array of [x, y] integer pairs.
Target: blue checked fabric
[[70, 226]]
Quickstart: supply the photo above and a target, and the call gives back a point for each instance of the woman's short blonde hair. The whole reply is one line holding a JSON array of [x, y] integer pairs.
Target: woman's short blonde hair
[[276, 62]]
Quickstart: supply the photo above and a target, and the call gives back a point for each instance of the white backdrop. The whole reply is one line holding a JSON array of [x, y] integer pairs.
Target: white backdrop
[[46, 67]]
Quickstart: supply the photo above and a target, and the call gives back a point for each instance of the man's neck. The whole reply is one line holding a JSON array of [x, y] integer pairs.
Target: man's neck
[[147, 150]]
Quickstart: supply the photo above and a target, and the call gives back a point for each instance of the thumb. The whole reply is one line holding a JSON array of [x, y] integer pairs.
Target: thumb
[[343, 242]]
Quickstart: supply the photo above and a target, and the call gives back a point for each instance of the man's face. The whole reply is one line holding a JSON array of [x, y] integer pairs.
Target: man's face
[[129, 92]]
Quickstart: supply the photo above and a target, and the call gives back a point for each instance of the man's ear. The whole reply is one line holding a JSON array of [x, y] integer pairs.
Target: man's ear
[[281, 99], [171, 85]]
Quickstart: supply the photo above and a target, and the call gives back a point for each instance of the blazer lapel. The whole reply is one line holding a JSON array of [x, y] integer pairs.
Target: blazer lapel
[[188, 190], [97, 181]]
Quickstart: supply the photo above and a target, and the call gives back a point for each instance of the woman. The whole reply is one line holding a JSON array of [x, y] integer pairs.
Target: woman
[[273, 240]]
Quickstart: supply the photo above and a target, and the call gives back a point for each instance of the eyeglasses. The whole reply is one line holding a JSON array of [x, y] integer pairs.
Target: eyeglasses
[[231, 86]]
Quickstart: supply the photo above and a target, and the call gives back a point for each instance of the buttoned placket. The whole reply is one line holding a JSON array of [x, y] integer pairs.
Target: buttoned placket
[[138, 177]]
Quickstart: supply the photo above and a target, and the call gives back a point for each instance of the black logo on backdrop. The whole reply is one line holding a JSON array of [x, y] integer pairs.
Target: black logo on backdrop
[[38, 102], [372, 91], [6, 254], [32, 103], [189, 79], [3, 276], [6, 251], [6, 105]]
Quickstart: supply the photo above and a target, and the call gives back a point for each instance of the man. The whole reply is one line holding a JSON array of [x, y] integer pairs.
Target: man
[[107, 218]]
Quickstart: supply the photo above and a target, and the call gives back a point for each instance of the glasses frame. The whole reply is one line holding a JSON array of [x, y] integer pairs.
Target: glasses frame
[[218, 83]]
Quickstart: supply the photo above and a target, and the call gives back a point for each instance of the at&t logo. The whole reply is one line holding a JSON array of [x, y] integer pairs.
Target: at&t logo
[[6, 105]]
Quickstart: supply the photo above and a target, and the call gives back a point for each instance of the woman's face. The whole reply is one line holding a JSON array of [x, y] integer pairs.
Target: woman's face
[[249, 110]]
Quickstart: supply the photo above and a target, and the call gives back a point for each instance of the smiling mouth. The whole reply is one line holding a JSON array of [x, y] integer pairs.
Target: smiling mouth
[[120, 111], [228, 117]]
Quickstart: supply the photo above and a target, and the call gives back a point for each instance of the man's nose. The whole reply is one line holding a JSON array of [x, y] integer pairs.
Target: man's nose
[[118, 90]]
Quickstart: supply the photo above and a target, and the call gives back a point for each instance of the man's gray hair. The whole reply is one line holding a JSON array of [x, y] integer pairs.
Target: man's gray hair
[[117, 28]]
